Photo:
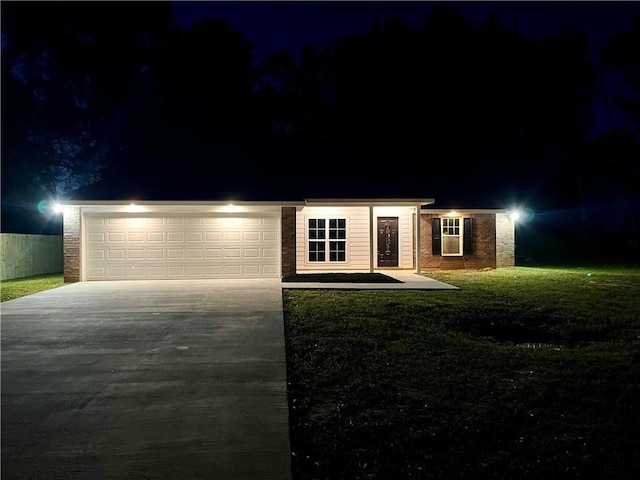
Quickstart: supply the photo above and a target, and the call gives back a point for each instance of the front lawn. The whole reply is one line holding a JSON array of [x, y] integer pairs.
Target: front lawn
[[524, 373], [19, 287]]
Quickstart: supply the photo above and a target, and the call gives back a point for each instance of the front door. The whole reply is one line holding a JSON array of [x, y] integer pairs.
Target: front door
[[387, 242]]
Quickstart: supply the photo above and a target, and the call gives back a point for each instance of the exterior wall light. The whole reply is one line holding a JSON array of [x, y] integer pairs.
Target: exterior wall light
[[232, 208], [133, 208]]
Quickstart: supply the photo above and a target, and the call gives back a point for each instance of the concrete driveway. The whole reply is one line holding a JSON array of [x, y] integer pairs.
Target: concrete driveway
[[146, 380]]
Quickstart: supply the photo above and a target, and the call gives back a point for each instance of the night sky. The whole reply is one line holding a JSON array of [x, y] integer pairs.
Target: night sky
[[272, 25], [290, 24], [536, 121]]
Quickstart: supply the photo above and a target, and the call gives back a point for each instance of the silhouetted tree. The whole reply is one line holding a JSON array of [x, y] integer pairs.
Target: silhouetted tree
[[70, 72], [621, 55]]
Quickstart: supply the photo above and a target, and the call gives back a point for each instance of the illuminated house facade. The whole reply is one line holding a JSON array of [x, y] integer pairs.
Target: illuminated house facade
[[117, 240]]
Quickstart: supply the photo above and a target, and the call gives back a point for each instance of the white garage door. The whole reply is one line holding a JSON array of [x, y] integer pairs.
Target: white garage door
[[181, 246]]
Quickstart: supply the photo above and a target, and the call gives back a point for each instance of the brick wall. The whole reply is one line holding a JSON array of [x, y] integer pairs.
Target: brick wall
[[71, 244], [288, 226], [505, 241], [484, 244]]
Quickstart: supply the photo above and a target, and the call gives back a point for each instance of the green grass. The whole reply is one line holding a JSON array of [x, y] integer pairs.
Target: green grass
[[444, 384], [19, 287]]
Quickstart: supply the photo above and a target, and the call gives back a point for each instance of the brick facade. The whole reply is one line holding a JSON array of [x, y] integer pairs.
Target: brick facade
[[71, 244], [288, 254], [484, 253]]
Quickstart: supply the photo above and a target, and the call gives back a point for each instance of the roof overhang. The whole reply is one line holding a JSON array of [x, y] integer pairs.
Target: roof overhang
[[376, 202], [229, 206], [465, 210]]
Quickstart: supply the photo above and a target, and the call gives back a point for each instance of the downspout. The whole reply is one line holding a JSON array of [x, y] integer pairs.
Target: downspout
[[417, 230], [372, 253]]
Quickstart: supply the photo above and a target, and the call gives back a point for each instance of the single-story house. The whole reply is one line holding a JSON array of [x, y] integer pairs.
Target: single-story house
[[120, 240]]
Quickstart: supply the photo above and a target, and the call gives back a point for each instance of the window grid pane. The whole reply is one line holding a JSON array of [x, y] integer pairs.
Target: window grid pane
[[451, 226], [337, 251], [316, 228], [316, 251], [338, 228]]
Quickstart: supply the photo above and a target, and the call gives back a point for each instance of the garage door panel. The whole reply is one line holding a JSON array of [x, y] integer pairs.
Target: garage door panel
[[214, 271], [175, 270], [135, 237], [253, 270], [233, 253], [270, 270], [99, 272], [138, 271], [135, 221], [269, 236], [115, 254], [164, 246], [155, 271], [232, 270], [232, 236], [115, 237], [175, 254], [98, 237], [196, 271], [116, 271], [194, 253], [270, 253], [93, 254], [155, 237], [135, 254]]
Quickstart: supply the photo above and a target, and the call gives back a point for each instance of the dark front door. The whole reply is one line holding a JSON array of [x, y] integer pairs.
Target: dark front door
[[387, 241]]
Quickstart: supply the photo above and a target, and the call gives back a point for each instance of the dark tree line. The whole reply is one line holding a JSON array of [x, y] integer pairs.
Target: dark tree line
[[477, 115]]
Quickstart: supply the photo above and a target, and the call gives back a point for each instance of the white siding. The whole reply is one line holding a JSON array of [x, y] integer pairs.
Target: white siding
[[359, 247], [406, 236], [158, 246]]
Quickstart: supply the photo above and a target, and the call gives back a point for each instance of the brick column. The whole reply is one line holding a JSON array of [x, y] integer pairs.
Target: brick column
[[505, 241], [288, 249], [71, 244]]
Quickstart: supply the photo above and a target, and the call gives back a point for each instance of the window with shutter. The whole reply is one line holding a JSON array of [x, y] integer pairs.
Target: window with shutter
[[452, 236]]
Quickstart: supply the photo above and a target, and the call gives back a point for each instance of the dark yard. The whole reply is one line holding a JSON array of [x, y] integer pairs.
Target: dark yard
[[524, 373]]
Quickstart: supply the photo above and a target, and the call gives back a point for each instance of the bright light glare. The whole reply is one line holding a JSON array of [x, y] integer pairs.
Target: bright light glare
[[232, 208], [134, 208], [49, 207], [521, 215]]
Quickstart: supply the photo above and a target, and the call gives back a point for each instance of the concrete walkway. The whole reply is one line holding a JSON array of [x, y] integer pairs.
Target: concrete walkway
[[172, 380]]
